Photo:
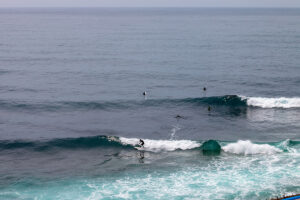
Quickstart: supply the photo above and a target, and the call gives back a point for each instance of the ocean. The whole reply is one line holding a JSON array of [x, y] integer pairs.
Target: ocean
[[72, 108]]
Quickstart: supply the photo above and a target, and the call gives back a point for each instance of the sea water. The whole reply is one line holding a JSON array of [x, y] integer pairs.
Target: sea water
[[72, 110]]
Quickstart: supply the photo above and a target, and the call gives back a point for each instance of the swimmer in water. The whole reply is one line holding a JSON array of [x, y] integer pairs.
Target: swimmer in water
[[144, 93], [178, 117], [204, 89]]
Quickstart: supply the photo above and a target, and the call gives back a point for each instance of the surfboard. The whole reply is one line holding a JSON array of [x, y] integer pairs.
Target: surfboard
[[140, 148]]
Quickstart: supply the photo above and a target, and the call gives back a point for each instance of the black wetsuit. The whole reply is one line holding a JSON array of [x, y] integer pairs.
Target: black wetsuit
[[142, 142]]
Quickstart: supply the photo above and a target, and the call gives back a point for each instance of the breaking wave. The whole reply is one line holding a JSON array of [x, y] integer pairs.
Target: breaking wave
[[227, 100], [247, 148], [281, 102], [162, 145], [240, 147]]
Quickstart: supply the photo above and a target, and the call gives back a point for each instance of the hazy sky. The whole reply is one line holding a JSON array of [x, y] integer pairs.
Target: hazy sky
[[150, 3]]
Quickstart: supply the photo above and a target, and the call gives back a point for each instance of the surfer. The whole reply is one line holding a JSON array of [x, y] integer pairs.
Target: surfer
[[209, 108], [144, 93], [204, 91], [179, 117], [141, 143]]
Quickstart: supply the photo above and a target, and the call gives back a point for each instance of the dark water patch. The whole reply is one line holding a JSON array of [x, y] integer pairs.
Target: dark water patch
[[211, 147], [95, 105], [17, 89], [293, 143], [25, 106], [4, 145], [65, 143], [227, 100], [3, 72]]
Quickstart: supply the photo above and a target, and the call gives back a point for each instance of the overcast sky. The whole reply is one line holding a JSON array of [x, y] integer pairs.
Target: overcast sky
[[149, 3]]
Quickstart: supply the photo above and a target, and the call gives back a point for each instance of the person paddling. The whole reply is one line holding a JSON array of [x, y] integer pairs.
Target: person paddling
[[179, 117]]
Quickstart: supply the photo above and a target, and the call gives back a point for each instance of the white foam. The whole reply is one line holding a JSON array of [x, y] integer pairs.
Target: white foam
[[281, 102], [173, 132], [286, 146], [162, 145], [247, 148]]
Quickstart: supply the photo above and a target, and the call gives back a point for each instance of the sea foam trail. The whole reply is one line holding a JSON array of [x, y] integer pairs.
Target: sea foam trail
[[162, 145], [246, 147], [281, 102], [240, 147]]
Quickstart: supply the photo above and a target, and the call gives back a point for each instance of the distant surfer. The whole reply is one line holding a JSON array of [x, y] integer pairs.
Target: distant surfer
[[179, 117], [141, 143], [209, 108], [144, 93], [204, 91]]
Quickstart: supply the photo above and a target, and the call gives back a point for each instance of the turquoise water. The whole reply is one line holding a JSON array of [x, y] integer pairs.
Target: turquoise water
[[243, 170], [72, 110]]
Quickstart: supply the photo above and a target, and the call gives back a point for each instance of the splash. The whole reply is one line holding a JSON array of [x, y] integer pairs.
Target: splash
[[162, 145], [247, 148], [102, 141], [281, 102]]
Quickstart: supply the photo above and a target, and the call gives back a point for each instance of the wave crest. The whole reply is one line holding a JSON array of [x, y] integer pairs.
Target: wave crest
[[281, 102], [245, 147], [162, 145], [226, 100], [65, 143], [248, 148]]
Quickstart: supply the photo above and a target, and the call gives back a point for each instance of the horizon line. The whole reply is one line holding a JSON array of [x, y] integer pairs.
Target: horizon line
[[205, 7]]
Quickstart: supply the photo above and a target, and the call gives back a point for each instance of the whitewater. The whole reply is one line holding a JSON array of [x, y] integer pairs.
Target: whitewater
[[73, 109], [280, 102], [176, 167]]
